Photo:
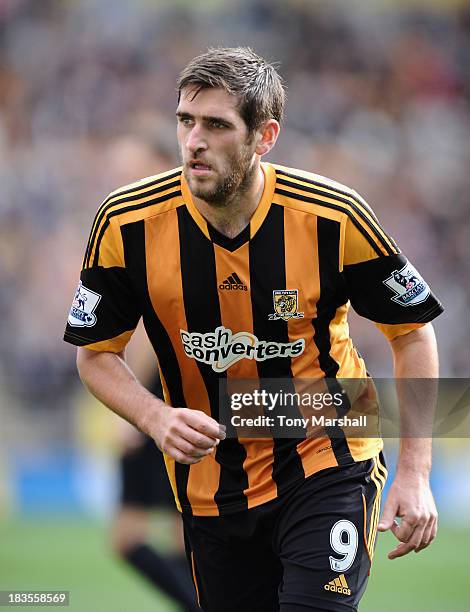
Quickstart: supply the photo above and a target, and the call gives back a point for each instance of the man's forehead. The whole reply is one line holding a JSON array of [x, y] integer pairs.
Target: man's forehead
[[208, 101]]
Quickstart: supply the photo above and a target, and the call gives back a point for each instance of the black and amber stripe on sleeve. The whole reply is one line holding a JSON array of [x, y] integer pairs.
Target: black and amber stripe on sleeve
[[330, 195], [106, 265], [145, 193]]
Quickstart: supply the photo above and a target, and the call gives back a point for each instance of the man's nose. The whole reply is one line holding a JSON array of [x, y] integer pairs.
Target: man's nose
[[196, 140]]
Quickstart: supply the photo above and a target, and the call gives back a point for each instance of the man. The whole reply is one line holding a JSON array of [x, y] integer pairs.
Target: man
[[270, 524]]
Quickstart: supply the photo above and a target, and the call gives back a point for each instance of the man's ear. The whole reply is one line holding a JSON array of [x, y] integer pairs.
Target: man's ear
[[266, 136]]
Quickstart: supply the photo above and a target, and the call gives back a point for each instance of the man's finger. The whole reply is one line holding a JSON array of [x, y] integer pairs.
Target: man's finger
[[189, 449], [425, 538], [198, 439], [401, 550], [388, 516], [180, 457], [395, 526], [417, 538], [205, 424], [405, 529], [429, 534]]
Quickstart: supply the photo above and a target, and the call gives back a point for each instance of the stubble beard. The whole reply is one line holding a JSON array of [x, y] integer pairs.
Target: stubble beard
[[234, 184]]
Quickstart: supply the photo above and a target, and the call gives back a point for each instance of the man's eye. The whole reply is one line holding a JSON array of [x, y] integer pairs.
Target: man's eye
[[185, 120], [218, 124]]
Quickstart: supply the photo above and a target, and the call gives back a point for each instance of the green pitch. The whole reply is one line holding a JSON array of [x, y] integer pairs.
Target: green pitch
[[73, 556]]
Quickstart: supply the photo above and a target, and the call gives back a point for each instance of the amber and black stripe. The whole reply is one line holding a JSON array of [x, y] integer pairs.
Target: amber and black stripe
[[331, 298], [137, 193], [268, 272], [120, 211], [133, 235], [198, 276], [344, 202]]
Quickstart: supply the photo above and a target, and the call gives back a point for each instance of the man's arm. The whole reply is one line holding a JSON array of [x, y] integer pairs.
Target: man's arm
[[184, 434], [410, 496]]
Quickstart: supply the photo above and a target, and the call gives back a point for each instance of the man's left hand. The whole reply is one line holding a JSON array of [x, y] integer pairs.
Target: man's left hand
[[410, 498]]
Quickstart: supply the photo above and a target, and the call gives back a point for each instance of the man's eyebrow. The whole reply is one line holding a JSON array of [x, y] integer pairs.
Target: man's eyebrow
[[206, 118]]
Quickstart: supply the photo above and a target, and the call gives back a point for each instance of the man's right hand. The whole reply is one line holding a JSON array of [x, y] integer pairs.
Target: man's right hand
[[184, 434]]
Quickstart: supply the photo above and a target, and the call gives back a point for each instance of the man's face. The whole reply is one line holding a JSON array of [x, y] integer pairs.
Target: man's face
[[216, 151]]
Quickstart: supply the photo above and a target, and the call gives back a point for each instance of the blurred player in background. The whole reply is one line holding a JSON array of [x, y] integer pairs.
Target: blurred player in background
[[282, 523], [145, 489]]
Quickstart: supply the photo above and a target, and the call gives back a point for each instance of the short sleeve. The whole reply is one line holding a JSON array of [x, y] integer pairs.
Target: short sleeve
[[105, 310], [382, 284]]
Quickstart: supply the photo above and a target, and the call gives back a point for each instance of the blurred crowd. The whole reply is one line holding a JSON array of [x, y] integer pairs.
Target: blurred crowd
[[378, 98]]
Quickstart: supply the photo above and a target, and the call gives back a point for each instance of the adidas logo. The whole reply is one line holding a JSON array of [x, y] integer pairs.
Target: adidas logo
[[233, 283], [338, 585]]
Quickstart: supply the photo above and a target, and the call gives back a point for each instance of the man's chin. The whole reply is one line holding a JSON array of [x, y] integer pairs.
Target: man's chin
[[200, 187]]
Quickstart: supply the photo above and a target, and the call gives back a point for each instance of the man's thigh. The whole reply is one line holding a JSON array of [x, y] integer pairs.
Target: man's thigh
[[234, 566], [325, 537]]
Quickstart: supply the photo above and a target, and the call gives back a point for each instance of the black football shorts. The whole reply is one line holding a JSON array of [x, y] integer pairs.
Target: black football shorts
[[310, 549]]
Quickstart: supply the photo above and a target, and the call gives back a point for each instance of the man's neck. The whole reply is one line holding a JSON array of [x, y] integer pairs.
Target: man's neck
[[232, 218]]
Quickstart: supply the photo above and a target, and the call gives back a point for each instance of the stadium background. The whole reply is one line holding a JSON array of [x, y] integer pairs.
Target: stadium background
[[378, 98]]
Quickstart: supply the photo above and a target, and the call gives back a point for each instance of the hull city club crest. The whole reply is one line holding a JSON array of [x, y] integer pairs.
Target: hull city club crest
[[409, 288], [83, 306], [286, 303]]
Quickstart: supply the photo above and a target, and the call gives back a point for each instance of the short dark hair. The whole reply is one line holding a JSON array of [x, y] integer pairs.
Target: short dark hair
[[242, 73]]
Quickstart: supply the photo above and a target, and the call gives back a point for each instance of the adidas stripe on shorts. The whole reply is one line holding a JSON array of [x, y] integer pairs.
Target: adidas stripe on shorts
[[311, 548]]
